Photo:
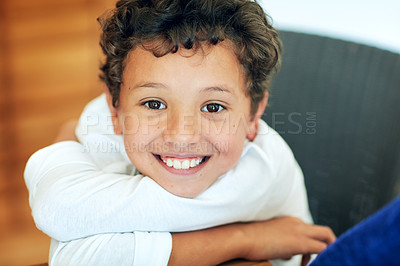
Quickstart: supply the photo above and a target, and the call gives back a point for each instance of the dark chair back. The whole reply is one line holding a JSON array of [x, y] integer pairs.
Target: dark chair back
[[337, 104]]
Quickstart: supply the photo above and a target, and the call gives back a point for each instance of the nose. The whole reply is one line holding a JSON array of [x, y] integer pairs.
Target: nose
[[183, 128]]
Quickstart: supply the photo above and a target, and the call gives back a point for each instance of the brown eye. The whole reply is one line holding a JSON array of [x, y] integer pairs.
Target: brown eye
[[212, 108], [155, 105]]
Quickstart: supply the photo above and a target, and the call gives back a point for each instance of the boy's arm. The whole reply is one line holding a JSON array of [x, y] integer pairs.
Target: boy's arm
[[277, 238]]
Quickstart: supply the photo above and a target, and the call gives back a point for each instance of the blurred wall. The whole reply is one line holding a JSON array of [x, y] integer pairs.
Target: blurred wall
[[49, 58], [371, 22]]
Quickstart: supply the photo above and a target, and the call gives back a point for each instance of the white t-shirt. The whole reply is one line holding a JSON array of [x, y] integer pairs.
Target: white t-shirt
[[90, 199]]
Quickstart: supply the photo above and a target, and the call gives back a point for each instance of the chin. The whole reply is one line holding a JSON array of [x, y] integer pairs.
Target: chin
[[185, 193]]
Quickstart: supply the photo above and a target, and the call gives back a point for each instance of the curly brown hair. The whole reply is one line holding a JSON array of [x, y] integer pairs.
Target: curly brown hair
[[165, 26]]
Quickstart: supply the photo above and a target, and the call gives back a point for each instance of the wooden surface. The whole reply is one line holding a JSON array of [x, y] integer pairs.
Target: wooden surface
[[49, 58]]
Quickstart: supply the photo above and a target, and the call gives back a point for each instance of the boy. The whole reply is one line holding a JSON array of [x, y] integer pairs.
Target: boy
[[186, 86]]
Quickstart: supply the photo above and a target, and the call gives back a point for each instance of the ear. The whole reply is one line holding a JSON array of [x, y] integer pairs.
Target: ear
[[114, 112], [253, 124]]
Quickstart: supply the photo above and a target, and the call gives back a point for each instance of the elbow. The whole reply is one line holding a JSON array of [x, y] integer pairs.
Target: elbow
[[44, 213]]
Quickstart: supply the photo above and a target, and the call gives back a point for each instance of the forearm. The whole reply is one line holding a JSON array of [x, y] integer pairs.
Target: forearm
[[278, 238], [208, 247]]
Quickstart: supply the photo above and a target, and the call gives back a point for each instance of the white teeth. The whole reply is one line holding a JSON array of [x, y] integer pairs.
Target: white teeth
[[185, 164], [182, 164], [170, 163], [177, 164]]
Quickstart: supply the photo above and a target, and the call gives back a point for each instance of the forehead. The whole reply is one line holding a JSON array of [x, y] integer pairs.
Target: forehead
[[204, 66]]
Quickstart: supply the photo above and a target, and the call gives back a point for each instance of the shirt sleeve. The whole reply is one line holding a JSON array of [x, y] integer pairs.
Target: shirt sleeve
[[70, 198], [133, 249]]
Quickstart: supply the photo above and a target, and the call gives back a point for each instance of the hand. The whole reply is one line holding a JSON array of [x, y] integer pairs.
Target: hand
[[67, 131], [278, 238], [284, 237]]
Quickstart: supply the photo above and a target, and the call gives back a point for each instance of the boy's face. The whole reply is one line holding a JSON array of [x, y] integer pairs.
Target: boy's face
[[184, 117]]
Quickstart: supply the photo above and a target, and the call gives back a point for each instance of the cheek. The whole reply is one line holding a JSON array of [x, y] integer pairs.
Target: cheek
[[129, 123], [226, 132], [137, 150], [136, 143], [139, 124], [140, 129], [229, 144], [227, 126]]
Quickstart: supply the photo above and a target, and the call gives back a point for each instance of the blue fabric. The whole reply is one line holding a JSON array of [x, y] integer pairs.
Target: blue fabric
[[375, 241]]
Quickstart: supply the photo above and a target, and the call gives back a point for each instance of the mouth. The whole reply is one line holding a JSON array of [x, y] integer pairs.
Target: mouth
[[182, 162]]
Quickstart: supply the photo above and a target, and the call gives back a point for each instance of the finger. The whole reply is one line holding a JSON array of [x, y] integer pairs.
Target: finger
[[322, 233], [314, 246]]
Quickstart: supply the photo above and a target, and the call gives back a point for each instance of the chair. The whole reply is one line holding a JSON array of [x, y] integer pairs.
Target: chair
[[337, 104]]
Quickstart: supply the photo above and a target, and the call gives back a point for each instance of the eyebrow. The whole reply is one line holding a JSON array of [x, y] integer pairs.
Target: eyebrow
[[156, 85], [217, 89], [149, 85]]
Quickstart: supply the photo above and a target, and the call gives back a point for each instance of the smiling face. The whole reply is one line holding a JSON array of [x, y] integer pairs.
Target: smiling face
[[184, 118]]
